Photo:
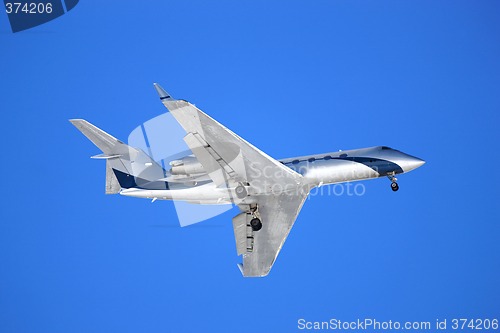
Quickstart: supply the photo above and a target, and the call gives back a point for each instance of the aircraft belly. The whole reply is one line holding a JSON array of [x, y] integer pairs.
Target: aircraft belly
[[201, 194]]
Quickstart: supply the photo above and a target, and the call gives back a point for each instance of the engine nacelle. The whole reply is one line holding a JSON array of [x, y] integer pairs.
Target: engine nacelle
[[188, 165]]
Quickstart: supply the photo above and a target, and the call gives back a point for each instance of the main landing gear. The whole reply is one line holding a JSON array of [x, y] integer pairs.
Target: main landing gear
[[255, 222], [394, 184], [241, 191]]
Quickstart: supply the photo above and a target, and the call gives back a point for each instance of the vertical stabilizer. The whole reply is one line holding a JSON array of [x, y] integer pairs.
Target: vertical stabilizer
[[121, 159], [112, 185]]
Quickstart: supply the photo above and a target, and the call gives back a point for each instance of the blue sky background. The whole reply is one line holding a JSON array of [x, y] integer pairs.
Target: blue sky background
[[293, 78]]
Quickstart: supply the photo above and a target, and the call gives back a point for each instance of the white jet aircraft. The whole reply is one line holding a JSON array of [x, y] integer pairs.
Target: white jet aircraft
[[226, 169]]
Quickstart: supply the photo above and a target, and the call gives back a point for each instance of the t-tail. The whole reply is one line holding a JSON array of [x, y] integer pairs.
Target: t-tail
[[126, 167]]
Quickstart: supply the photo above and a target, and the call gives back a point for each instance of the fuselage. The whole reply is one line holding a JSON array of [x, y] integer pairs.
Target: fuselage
[[352, 165], [317, 170]]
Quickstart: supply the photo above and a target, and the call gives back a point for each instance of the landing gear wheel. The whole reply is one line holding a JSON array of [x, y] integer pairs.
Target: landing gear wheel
[[394, 186], [256, 224], [241, 191]]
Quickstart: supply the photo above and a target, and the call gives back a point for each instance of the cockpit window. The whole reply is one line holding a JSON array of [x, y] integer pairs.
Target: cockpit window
[[328, 157], [385, 148]]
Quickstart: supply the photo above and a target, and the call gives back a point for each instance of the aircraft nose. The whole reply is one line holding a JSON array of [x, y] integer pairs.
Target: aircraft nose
[[412, 163]]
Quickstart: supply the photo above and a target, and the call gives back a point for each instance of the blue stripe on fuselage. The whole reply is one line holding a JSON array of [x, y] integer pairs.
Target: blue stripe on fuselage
[[381, 166]]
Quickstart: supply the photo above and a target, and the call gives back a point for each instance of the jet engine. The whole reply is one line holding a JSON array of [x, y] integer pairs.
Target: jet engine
[[188, 165]]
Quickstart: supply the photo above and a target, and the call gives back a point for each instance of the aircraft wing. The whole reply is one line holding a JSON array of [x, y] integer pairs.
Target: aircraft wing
[[277, 192], [260, 249], [228, 159]]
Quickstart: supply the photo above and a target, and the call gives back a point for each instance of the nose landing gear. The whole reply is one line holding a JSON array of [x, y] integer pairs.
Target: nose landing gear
[[394, 184]]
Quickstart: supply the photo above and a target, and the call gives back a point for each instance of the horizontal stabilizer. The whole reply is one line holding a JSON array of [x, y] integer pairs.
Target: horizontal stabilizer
[[104, 156], [125, 166], [104, 141]]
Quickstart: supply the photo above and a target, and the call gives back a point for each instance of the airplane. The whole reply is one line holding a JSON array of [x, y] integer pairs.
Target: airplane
[[225, 169]]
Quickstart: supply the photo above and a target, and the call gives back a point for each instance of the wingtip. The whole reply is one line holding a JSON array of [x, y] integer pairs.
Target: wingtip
[[161, 92], [77, 122], [73, 121]]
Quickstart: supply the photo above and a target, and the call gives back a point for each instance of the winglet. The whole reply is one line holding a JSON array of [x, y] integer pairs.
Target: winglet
[[161, 92]]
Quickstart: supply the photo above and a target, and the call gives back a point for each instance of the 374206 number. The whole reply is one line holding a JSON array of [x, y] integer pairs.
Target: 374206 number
[[28, 8], [474, 324]]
